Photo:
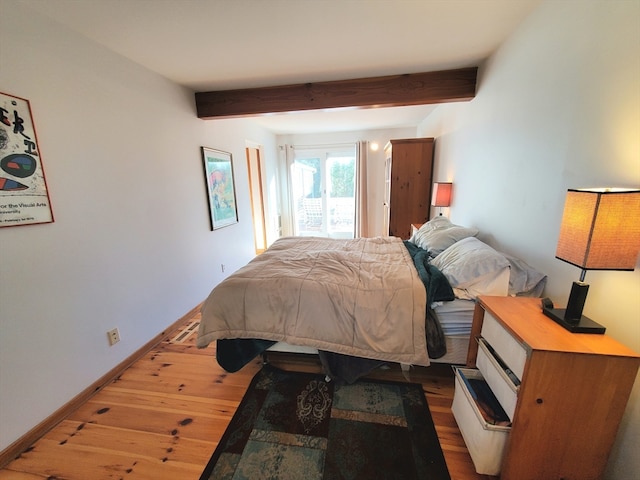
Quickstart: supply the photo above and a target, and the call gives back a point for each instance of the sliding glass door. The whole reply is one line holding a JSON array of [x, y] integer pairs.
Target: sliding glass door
[[323, 185]]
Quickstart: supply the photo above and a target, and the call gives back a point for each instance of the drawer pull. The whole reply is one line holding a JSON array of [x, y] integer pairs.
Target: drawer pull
[[539, 401]]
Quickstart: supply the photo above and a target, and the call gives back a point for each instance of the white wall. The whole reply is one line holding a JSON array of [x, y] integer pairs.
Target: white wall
[[131, 245], [558, 107]]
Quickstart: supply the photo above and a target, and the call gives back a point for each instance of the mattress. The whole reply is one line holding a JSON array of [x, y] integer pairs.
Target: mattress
[[455, 317], [457, 349], [287, 348]]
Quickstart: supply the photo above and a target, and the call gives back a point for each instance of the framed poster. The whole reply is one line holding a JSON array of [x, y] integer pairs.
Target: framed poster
[[221, 192], [24, 199]]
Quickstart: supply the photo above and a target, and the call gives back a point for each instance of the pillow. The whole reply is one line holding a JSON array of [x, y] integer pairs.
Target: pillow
[[438, 234], [474, 268], [437, 222], [525, 281]]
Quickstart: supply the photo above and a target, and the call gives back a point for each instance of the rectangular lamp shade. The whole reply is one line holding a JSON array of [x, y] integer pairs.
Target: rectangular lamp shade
[[600, 229], [441, 194]]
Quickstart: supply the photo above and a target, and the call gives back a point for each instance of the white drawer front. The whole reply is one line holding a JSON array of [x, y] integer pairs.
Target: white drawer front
[[485, 442], [507, 347], [501, 385]]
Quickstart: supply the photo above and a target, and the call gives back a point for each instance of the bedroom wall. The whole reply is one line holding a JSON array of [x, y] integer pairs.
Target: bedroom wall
[[131, 245], [558, 107]]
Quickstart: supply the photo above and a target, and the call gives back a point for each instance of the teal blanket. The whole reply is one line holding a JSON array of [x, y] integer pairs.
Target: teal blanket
[[438, 290], [437, 285]]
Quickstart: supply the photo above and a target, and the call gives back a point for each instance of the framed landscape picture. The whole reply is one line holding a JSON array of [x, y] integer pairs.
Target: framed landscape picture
[[221, 193]]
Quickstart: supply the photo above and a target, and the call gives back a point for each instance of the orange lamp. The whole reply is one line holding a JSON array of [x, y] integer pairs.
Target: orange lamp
[[441, 196], [600, 230]]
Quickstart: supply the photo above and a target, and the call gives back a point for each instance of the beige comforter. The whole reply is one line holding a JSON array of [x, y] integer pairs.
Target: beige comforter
[[360, 297]]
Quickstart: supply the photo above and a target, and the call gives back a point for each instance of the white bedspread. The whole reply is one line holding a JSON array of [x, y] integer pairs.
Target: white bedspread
[[360, 297]]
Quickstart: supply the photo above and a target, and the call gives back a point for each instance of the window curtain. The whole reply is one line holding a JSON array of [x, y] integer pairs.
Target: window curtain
[[362, 223], [285, 160]]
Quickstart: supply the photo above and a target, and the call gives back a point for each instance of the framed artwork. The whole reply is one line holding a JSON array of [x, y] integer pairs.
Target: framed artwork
[[221, 192], [24, 198]]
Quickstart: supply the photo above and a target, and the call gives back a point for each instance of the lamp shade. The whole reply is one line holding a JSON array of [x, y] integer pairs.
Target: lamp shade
[[441, 194], [600, 229]]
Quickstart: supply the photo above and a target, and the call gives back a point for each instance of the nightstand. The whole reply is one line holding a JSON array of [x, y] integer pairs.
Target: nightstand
[[565, 392]]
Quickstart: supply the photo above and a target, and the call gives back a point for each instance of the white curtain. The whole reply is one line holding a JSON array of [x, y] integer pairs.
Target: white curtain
[[284, 163], [362, 222]]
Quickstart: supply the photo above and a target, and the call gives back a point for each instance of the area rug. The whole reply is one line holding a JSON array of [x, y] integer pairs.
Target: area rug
[[298, 426]]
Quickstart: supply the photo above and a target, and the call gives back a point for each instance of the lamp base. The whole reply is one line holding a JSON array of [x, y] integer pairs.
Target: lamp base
[[585, 325]]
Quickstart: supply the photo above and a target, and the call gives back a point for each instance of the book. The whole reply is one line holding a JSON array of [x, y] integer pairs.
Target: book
[[487, 403]]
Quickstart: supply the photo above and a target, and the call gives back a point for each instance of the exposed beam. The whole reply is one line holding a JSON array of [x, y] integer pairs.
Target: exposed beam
[[390, 91]]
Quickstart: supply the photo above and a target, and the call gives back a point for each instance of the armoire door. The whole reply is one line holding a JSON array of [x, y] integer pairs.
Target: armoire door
[[410, 182]]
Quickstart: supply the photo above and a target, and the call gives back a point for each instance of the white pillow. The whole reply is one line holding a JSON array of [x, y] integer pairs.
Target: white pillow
[[525, 281], [438, 234], [474, 268]]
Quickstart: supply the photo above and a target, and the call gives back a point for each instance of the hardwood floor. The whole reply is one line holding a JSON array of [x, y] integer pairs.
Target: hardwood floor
[[162, 418]]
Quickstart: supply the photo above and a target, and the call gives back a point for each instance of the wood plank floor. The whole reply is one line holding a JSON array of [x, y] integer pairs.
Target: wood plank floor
[[162, 418]]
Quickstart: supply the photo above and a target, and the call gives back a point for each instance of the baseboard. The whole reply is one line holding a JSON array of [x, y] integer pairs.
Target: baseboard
[[16, 448]]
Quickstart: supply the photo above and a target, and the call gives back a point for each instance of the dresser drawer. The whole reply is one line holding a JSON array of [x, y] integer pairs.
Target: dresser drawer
[[502, 386], [484, 441], [508, 348]]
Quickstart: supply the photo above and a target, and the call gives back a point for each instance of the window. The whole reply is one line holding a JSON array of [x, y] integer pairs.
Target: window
[[323, 186]]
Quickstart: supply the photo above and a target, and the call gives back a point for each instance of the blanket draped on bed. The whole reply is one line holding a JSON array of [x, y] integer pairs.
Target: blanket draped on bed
[[437, 285], [360, 297], [438, 290]]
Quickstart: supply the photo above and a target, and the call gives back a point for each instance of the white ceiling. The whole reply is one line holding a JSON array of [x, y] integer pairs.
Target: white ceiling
[[227, 44]]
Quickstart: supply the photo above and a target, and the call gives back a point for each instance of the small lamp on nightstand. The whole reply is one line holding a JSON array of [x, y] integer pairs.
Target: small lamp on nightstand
[[600, 230], [441, 195]]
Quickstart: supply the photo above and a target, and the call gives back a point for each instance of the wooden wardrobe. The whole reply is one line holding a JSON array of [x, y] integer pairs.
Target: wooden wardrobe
[[408, 182]]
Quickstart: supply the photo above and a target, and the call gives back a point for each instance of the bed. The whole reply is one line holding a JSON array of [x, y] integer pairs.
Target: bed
[[473, 268], [360, 297], [360, 303]]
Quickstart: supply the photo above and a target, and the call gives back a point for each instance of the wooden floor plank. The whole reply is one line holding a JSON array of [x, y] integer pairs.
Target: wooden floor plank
[[163, 401], [158, 421], [82, 461], [163, 447], [163, 417], [6, 474]]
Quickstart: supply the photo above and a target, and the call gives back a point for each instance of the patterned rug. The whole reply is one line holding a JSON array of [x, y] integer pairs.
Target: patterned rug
[[297, 426]]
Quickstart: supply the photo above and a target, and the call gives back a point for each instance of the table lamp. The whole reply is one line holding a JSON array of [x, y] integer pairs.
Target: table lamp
[[441, 195], [600, 230]]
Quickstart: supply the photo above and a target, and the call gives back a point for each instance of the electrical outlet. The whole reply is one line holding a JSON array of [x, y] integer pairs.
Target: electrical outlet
[[114, 336]]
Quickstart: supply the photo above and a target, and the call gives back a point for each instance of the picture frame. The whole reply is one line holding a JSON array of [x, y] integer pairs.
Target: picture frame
[[221, 191], [24, 196]]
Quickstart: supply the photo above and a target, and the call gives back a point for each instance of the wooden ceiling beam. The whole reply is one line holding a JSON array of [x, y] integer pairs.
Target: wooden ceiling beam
[[390, 91]]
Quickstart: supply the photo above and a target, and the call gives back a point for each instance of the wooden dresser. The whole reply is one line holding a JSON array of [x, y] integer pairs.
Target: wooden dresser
[[408, 175], [568, 397]]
